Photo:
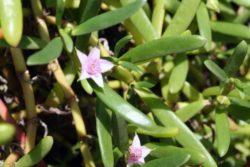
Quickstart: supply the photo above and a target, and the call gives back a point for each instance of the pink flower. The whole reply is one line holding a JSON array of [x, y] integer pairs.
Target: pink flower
[[137, 153], [93, 66]]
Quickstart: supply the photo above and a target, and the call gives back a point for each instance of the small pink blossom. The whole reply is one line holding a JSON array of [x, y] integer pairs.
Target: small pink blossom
[[93, 66], [137, 153]]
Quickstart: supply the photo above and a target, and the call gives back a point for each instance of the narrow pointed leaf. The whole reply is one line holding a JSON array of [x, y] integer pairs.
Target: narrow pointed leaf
[[103, 128], [130, 66], [212, 91], [190, 110], [160, 132], [222, 131], [204, 24], [120, 132], [50, 52], [231, 29], [108, 19], [245, 3], [68, 43], [59, 12], [170, 161], [182, 18], [121, 43], [196, 158], [166, 117], [216, 70], [191, 93], [86, 10], [240, 102], [162, 47], [236, 59], [214, 5], [178, 74], [116, 103], [37, 154], [27, 42], [141, 23]]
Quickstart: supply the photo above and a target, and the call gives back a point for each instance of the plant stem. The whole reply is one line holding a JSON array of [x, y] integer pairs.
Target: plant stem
[[11, 159], [61, 79], [29, 98]]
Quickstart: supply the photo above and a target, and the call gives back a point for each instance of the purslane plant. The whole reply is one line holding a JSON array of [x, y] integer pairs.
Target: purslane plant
[[171, 77]]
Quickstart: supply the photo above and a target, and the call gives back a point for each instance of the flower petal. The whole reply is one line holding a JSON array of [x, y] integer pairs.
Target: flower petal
[[98, 79], [94, 53], [136, 141], [84, 74], [81, 56], [145, 151], [106, 65], [140, 161]]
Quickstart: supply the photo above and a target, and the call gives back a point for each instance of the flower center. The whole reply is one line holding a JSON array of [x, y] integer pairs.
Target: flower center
[[93, 67], [135, 153]]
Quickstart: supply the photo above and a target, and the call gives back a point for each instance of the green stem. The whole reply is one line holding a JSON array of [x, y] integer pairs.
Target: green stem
[[29, 98], [11, 159], [61, 79]]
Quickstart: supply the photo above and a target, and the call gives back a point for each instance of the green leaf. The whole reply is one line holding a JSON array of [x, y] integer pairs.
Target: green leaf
[[144, 84], [103, 128], [120, 132], [196, 158], [231, 29], [236, 59], [86, 86], [162, 47], [170, 161], [203, 21], [191, 93], [121, 43], [66, 40], [59, 12], [130, 66], [182, 18], [141, 23], [227, 9], [212, 91], [172, 5], [178, 74], [50, 52], [117, 154], [222, 131], [37, 154], [214, 5], [190, 110], [86, 10], [244, 113], [117, 104], [27, 42], [240, 102], [245, 3], [167, 118], [160, 132], [107, 19], [243, 86], [216, 70], [8, 132]]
